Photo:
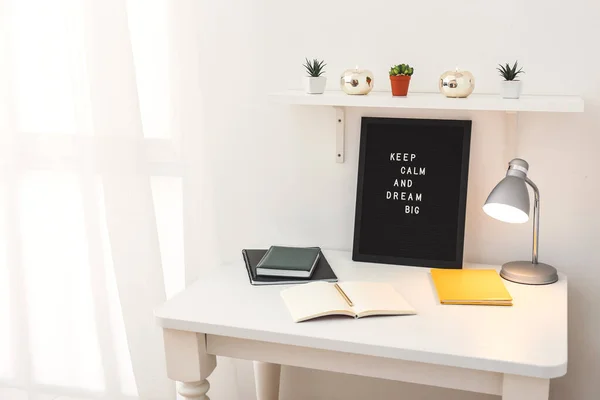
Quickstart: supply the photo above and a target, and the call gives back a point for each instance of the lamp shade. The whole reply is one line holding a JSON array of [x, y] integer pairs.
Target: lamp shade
[[509, 201]]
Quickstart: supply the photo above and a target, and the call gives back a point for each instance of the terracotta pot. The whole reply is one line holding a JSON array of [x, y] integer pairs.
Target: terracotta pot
[[400, 85]]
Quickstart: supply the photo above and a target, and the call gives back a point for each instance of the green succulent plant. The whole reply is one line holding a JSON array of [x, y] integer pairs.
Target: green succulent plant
[[314, 67], [401, 69], [510, 73]]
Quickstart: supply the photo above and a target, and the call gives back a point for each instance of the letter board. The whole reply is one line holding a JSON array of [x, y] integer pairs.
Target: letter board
[[412, 192]]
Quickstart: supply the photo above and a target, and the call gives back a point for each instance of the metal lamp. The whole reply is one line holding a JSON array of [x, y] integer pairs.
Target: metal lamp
[[509, 202]]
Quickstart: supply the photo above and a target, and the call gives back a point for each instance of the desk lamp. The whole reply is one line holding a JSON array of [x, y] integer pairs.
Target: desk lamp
[[509, 202]]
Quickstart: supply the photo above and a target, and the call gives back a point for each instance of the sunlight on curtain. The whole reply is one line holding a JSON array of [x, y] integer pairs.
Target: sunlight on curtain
[[6, 371], [149, 39], [167, 193], [63, 338], [41, 66], [63, 325], [123, 366]]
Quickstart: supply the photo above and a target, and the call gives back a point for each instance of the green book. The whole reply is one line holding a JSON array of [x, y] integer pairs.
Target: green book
[[294, 262]]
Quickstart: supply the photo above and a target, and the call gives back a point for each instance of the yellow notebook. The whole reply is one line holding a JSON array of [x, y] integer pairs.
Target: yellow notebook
[[470, 286]]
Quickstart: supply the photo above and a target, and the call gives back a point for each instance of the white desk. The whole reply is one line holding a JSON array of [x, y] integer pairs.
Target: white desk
[[507, 351]]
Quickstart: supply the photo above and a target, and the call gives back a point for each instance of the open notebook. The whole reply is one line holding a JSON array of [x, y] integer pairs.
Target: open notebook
[[354, 299]]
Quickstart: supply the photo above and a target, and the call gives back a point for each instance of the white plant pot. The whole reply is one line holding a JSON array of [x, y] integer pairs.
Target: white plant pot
[[511, 89], [315, 85]]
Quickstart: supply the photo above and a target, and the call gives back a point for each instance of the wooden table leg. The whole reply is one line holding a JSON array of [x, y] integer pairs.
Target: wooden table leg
[[515, 387], [188, 363], [194, 390], [266, 377]]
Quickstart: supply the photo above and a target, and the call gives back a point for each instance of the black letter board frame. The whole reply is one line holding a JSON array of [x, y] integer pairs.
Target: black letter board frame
[[448, 140]]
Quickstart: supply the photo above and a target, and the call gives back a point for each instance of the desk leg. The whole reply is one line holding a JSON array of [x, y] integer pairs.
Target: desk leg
[[266, 377], [194, 390], [188, 363], [516, 387]]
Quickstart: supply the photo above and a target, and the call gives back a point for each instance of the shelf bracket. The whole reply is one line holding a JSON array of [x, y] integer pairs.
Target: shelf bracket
[[512, 130], [340, 133], [510, 149]]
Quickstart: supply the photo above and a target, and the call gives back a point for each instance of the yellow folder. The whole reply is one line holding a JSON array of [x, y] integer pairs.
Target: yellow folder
[[470, 286]]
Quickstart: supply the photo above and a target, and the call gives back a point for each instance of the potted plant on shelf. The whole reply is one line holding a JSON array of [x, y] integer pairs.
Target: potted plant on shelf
[[511, 86], [400, 79], [314, 83]]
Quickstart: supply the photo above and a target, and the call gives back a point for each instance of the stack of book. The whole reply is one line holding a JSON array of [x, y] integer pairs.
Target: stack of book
[[281, 265]]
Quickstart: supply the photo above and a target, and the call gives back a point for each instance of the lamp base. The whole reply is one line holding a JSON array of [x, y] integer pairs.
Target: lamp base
[[528, 273]]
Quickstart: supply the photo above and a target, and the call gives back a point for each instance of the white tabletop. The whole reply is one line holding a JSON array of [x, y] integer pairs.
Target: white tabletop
[[529, 338]]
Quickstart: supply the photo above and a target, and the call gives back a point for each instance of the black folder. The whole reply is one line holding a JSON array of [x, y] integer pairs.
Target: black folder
[[322, 272]]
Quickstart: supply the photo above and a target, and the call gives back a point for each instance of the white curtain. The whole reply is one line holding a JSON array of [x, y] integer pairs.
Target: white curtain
[[94, 108]]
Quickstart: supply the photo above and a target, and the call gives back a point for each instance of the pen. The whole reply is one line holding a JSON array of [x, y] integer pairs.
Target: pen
[[344, 295]]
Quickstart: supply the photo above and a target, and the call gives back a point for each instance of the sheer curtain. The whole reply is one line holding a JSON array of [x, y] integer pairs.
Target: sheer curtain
[[92, 176]]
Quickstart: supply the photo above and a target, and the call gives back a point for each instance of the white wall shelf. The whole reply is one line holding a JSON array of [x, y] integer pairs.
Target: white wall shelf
[[434, 101], [430, 101]]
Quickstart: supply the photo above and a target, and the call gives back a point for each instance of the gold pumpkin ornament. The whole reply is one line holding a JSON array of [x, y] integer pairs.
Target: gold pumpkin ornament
[[356, 81], [457, 83]]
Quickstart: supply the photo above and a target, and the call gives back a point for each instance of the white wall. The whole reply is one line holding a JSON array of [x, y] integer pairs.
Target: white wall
[[278, 182]]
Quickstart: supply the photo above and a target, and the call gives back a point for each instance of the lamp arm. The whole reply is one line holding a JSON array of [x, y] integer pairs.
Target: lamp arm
[[536, 220]]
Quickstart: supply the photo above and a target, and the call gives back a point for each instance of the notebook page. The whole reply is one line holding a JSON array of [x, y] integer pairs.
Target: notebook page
[[313, 300], [373, 298]]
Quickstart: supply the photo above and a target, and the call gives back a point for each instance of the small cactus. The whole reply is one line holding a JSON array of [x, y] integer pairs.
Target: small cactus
[[314, 68], [401, 69], [510, 73]]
